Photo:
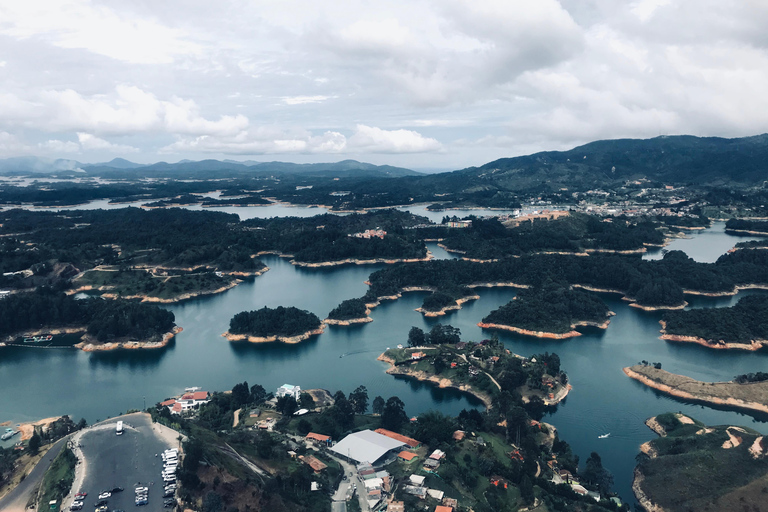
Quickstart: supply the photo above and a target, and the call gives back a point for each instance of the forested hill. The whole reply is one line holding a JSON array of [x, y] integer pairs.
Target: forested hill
[[672, 160]]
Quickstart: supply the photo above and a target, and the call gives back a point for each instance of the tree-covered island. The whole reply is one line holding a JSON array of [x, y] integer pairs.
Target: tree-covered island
[[33, 319], [288, 325], [743, 326], [351, 311], [552, 310], [692, 466]]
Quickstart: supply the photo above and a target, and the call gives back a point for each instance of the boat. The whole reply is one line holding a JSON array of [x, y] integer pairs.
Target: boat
[[9, 433], [604, 436], [38, 339]]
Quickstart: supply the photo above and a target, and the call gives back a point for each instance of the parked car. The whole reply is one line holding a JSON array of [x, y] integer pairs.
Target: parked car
[[76, 505], [104, 495], [100, 503], [117, 489]]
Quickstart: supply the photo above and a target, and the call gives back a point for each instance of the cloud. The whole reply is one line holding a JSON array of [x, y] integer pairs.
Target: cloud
[[365, 139], [79, 24], [368, 139], [90, 142], [302, 100], [59, 146], [11, 145], [127, 110]]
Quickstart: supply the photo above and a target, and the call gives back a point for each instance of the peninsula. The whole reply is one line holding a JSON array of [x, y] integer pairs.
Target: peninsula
[[740, 327], [102, 325], [549, 311], [287, 325], [483, 369], [747, 396], [695, 467]]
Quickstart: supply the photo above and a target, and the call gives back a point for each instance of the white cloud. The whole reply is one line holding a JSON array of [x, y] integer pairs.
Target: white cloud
[[11, 145], [127, 110], [369, 139], [79, 24], [302, 100], [60, 146], [365, 139], [90, 142]]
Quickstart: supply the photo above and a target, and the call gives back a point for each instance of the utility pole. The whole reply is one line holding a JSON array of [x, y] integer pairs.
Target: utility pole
[[145, 403]]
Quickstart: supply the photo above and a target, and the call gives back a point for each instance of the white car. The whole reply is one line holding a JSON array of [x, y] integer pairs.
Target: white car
[[142, 489], [105, 495]]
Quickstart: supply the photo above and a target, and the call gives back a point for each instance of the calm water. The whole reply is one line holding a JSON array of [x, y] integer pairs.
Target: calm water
[[39, 383]]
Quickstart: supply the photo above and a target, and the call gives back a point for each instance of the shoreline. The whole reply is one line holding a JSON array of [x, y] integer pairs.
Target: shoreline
[[88, 345], [752, 346], [451, 307], [545, 334], [275, 338], [351, 321], [434, 379], [676, 391], [355, 261]]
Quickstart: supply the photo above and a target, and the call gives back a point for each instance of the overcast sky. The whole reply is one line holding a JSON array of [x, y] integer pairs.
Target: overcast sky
[[440, 84]]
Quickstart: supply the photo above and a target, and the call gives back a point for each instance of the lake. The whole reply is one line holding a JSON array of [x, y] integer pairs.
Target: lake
[[38, 383]]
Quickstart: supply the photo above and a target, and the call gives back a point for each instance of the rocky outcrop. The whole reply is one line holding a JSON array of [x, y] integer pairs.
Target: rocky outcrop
[[271, 339]]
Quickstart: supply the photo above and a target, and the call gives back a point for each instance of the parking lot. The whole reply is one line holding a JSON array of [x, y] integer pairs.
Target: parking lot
[[130, 460]]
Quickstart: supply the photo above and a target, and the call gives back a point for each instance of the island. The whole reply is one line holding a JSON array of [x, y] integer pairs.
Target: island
[[747, 226], [484, 369], [158, 284], [287, 325], [742, 393], [552, 310], [35, 319], [739, 327], [351, 311], [692, 466]]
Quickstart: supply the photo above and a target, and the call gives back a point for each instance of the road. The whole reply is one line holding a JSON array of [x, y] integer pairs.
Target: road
[[129, 460], [17, 499]]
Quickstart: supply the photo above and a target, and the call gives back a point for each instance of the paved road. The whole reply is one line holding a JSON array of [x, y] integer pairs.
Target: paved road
[[17, 499], [127, 461]]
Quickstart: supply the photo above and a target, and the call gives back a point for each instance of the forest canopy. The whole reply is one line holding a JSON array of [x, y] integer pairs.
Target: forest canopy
[[280, 321]]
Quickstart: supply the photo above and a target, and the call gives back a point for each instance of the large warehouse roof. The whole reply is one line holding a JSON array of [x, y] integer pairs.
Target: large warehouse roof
[[366, 446]]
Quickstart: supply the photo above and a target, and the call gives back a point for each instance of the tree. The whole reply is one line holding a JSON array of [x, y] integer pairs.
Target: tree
[[286, 405], [415, 337], [258, 393], [434, 428], [34, 443], [306, 401], [343, 413], [359, 399], [393, 416], [212, 502], [595, 474], [240, 395], [440, 334], [378, 405], [303, 427], [526, 490]]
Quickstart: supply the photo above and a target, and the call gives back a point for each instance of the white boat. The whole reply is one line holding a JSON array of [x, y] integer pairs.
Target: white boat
[[604, 436]]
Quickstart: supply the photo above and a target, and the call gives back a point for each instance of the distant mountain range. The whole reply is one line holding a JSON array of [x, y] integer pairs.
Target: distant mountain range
[[674, 160], [119, 167]]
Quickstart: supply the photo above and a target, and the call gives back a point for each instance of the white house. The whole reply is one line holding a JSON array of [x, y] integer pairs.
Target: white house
[[289, 390]]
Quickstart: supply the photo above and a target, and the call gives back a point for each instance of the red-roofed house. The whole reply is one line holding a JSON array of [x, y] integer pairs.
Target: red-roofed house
[[411, 442], [443, 508], [406, 456], [318, 438], [168, 403], [312, 462], [176, 409]]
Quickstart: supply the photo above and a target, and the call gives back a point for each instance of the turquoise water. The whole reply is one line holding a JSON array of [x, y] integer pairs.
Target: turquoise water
[[40, 383]]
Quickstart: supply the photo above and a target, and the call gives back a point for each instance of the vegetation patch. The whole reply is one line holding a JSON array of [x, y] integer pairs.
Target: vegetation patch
[[280, 321], [745, 322], [57, 481]]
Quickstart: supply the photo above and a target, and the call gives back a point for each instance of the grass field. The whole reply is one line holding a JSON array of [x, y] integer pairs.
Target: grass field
[[57, 481]]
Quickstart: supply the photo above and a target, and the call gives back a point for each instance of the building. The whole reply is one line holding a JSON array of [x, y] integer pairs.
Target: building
[[367, 446], [186, 401], [318, 438], [316, 464], [289, 390], [406, 456], [411, 442]]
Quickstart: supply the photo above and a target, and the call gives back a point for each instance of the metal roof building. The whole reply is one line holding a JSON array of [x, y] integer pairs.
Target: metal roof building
[[366, 446]]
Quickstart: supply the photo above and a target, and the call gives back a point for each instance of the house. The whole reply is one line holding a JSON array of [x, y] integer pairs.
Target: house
[[396, 506], [186, 401], [316, 465], [458, 435], [436, 494], [411, 442], [437, 455], [421, 492], [417, 480], [318, 438], [499, 482], [443, 508], [289, 390], [450, 502], [415, 356], [406, 456]]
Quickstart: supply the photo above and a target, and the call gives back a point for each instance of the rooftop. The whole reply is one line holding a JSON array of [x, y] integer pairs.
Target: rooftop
[[366, 445], [413, 443]]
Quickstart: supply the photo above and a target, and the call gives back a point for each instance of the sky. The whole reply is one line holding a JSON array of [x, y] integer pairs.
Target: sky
[[441, 84]]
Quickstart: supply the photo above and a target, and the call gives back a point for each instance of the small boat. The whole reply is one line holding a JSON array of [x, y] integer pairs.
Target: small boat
[[38, 339], [604, 436], [9, 433]]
